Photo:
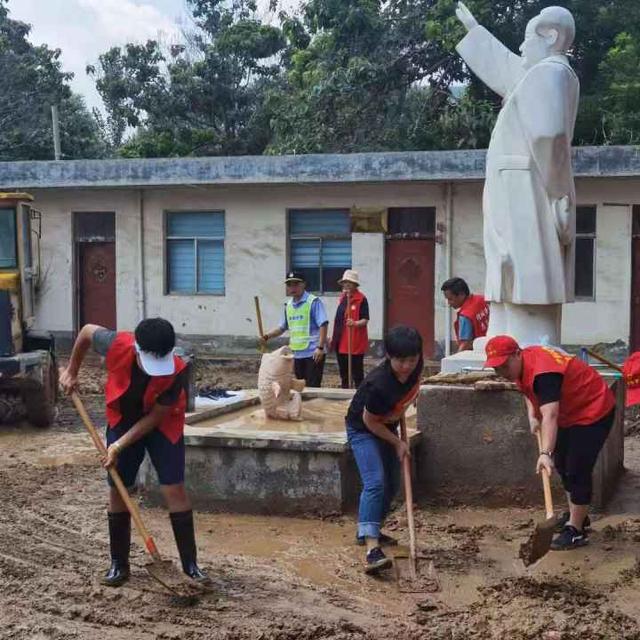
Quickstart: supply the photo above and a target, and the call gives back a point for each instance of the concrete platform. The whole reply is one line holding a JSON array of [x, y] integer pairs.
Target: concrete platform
[[238, 460], [476, 448]]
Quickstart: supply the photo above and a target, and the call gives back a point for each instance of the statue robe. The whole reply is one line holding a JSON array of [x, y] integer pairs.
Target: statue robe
[[529, 193]]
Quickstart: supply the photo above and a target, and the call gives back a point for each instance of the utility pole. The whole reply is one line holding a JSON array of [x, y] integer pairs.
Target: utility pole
[[56, 131]]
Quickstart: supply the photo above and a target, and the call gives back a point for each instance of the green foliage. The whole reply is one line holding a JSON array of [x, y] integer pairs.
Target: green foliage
[[621, 68], [335, 76], [205, 100], [32, 81]]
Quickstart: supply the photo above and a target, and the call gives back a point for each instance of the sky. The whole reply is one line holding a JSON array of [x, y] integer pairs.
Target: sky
[[83, 29]]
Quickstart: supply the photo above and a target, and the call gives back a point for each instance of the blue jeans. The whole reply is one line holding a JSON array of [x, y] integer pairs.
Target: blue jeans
[[379, 469]]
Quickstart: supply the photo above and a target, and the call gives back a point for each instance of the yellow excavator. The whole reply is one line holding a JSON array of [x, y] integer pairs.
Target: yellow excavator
[[28, 372]]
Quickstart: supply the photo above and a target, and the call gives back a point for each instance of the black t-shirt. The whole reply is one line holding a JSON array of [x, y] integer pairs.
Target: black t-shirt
[[132, 401], [381, 394], [547, 387]]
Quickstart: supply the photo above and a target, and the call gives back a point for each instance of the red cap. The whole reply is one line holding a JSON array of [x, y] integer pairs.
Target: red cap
[[631, 372], [498, 349]]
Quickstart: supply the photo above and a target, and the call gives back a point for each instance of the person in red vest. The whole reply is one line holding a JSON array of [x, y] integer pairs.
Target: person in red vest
[[472, 320], [574, 409], [631, 373], [146, 398], [354, 318]]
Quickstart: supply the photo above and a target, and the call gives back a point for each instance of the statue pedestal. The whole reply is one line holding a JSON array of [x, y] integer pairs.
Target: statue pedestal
[[527, 323]]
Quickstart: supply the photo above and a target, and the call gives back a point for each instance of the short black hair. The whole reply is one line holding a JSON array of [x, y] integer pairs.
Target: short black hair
[[156, 335], [403, 342], [457, 286]]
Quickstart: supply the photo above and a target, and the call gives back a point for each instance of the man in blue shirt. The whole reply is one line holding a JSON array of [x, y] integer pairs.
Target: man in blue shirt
[[306, 321]]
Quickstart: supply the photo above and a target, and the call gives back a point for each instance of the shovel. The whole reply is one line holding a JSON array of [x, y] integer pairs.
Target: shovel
[[349, 358], [262, 347], [540, 540], [604, 360], [161, 570], [415, 582]]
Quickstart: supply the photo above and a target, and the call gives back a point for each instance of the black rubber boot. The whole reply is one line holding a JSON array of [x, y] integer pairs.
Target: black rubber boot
[[183, 530], [120, 542]]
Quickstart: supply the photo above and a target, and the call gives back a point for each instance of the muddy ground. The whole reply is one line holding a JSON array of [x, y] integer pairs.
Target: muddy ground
[[285, 578]]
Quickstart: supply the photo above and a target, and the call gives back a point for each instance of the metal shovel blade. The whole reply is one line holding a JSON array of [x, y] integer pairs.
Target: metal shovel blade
[[166, 573], [425, 579], [538, 543]]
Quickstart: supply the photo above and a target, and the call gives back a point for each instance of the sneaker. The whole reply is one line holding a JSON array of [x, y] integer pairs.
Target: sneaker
[[570, 538], [564, 519], [376, 561], [384, 540]]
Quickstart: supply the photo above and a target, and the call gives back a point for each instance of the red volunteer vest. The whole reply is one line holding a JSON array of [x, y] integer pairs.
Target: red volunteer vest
[[359, 335], [476, 310], [120, 358], [585, 397]]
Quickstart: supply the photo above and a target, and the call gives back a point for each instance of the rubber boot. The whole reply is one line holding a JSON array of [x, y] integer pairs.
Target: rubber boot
[[120, 543], [183, 530]]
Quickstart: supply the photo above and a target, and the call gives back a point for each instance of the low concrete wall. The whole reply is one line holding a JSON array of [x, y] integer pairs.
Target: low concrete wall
[[476, 448], [270, 480]]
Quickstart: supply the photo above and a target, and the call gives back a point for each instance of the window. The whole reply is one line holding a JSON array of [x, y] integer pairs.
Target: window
[[320, 246], [8, 257], [585, 252], [195, 252]]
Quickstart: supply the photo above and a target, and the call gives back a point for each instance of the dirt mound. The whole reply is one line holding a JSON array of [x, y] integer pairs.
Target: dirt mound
[[527, 609]]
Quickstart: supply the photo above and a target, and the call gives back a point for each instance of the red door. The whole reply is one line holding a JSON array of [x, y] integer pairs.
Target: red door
[[97, 270], [410, 287], [634, 337]]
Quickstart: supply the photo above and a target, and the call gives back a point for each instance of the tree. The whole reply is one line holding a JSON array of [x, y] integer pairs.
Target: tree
[[32, 81], [603, 113], [361, 79], [205, 101]]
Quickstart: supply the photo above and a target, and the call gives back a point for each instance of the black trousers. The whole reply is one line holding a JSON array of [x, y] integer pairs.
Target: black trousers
[[577, 450], [306, 369], [357, 369]]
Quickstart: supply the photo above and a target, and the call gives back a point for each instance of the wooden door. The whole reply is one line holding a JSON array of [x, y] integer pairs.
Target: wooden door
[[410, 287], [634, 338], [97, 286]]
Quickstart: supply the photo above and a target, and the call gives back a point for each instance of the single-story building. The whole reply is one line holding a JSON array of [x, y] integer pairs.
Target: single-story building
[[195, 239]]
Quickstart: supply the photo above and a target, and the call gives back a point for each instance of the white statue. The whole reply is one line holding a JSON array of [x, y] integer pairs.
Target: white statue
[[529, 194], [278, 388]]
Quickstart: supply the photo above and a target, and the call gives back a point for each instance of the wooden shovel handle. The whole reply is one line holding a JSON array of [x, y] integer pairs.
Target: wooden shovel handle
[[408, 495], [259, 315], [546, 483], [602, 359], [262, 346], [117, 480], [349, 347]]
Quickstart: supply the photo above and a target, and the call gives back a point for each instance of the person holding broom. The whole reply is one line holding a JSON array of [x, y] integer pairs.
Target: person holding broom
[[350, 338], [574, 409], [372, 431], [146, 398]]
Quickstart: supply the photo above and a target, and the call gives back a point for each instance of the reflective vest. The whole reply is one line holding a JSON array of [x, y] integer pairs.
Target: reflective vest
[[299, 323], [120, 358], [476, 310], [585, 397]]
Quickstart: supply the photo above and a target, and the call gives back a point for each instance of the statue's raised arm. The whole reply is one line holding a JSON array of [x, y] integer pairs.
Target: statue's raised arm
[[529, 200], [465, 16]]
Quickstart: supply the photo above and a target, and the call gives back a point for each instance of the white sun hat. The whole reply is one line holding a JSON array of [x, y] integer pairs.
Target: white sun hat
[[154, 365], [350, 276]]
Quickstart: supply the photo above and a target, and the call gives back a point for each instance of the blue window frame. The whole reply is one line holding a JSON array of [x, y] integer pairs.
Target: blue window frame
[[320, 246], [8, 253], [195, 252], [585, 267]]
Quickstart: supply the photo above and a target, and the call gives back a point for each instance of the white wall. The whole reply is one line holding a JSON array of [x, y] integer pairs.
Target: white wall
[[256, 252], [605, 319], [55, 305]]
